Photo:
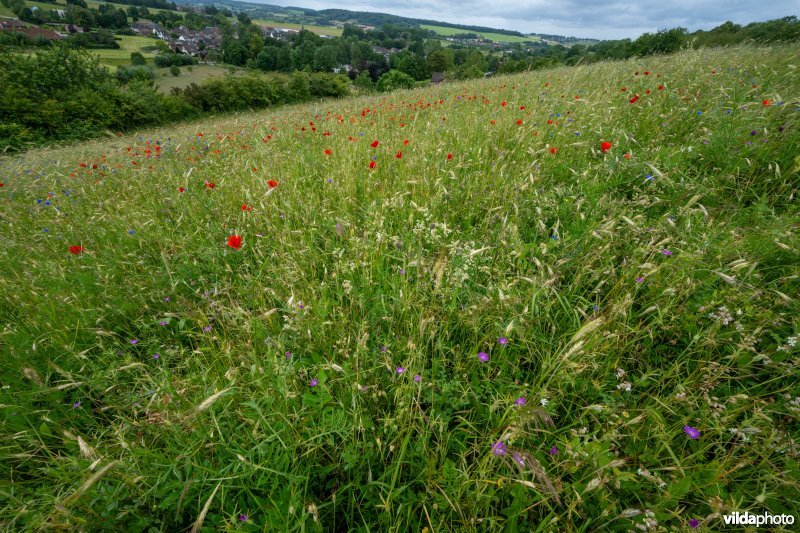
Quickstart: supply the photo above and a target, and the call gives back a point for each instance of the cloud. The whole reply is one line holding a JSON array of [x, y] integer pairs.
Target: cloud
[[580, 18]]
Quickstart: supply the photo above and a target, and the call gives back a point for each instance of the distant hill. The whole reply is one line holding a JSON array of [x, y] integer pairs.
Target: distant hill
[[338, 17]]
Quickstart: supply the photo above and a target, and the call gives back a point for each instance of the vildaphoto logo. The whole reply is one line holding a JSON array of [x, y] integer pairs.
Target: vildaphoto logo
[[758, 520]]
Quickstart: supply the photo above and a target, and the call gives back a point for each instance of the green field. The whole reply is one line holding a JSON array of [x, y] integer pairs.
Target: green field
[[199, 73], [122, 55], [320, 30], [527, 303], [497, 37]]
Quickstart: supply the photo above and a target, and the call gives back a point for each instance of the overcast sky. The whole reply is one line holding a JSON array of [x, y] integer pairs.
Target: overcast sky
[[612, 19]]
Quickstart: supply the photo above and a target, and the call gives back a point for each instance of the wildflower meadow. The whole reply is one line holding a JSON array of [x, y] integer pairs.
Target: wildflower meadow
[[563, 300]]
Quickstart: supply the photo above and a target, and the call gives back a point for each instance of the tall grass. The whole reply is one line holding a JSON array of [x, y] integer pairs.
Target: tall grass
[[506, 328]]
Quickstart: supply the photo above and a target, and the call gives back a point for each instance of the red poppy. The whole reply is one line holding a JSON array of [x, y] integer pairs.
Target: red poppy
[[75, 250], [553, 150], [647, 91], [449, 157], [503, 103], [405, 142], [627, 156], [328, 151], [181, 189], [634, 99], [246, 207], [605, 146], [399, 155], [519, 122], [660, 87], [272, 184], [372, 164], [374, 144], [766, 103], [646, 73], [210, 185], [522, 108], [492, 122], [235, 241]]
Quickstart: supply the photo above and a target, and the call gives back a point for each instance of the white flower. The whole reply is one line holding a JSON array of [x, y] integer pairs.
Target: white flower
[[544, 402]]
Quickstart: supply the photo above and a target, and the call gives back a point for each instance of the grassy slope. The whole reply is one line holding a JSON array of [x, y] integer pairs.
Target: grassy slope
[[199, 73], [321, 30], [498, 37], [347, 274], [122, 55]]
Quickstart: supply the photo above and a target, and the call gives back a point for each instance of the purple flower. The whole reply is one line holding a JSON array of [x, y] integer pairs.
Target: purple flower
[[483, 357], [134, 341], [693, 433], [163, 323], [242, 518], [288, 354], [207, 328], [401, 369], [156, 356], [666, 252], [553, 450], [639, 279], [503, 341], [76, 404], [383, 349], [498, 448], [417, 378], [520, 401], [518, 459], [694, 523], [166, 299], [313, 383]]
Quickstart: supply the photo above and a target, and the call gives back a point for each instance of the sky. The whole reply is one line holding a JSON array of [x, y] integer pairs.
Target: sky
[[611, 19]]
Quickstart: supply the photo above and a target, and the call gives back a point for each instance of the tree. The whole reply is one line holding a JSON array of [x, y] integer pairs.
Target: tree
[[437, 61], [394, 79], [244, 19], [255, 45], [324, 58], [137, 59], [299, 87], [364, 81], [414, 66]]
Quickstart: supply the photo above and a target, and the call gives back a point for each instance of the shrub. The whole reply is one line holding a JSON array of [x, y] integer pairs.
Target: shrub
[[394, 79]]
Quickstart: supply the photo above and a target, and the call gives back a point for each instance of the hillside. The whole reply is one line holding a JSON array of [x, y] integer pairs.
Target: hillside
[[564, 300]]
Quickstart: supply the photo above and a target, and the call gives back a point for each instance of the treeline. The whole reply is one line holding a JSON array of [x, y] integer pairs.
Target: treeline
[[65, 94], [76, 12], [108, 16], [666, 41], [327, 16]]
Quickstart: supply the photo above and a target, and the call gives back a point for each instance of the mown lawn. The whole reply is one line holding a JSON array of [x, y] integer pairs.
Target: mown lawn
[[559, 301]]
